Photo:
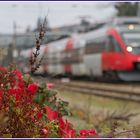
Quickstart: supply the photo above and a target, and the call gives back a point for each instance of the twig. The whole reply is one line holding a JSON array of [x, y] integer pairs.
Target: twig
[[34, 64]]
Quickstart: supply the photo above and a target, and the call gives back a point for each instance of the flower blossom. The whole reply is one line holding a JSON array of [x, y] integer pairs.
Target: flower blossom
[[51, 114], [50, 85], [88, 133], [32, 88]]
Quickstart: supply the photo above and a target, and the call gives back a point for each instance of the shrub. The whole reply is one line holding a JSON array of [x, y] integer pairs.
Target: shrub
[[30, 109]]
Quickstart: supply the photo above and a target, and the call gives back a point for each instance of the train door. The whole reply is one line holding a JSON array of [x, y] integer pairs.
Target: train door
[[113, 57]]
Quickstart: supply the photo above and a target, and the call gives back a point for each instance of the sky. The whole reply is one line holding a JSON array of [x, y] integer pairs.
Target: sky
[[58, 13]]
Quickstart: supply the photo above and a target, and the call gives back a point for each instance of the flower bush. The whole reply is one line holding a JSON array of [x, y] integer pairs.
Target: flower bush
[[30, 109]]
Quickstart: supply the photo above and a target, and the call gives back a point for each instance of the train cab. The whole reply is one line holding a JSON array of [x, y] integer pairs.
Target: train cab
[[122, 55]]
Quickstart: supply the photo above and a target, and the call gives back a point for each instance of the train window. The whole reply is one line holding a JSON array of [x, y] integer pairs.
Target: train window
[[95, 46], [116, 45], [109, 44], [112, 45]]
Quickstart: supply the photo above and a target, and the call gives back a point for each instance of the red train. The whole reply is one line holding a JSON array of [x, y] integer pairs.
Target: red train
[[111, 51]]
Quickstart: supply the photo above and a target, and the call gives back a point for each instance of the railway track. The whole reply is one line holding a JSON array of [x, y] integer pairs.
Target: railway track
[[123, 92], [116, 91]]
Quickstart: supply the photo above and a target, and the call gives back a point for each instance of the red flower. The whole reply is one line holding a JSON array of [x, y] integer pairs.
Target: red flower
[[66, 131], [18, 74], [87, 133], [17, 92], [32, 88], [61, 123], [67, 126], [83, 134], [31, 91], [21, 84], [92, 132], [3, 69], [62, 127], [39, 115], [50, 85], [0, 94], [51, 114], [71, 133]]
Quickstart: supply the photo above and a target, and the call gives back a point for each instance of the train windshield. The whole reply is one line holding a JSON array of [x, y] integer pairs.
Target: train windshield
[[132, 41]]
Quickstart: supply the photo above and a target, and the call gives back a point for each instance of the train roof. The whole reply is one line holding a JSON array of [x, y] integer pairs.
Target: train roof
[[89, 36], [126, 20], [121, 24]]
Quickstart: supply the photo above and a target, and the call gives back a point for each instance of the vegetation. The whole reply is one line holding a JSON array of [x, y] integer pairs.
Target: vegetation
[[127, 8]]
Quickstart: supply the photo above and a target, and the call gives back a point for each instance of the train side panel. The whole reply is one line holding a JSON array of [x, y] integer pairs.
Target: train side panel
[[93, 64], [79, 69]]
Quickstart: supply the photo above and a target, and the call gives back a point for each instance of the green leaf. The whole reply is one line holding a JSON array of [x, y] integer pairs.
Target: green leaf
[[27, 79], [51, 93], [46, 102], [52, 105], [38, 97], [65, 111], [64, 103], [42, 85]]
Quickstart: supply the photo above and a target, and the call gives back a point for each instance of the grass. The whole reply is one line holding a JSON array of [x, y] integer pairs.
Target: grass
[[96, 101], [85, 107]]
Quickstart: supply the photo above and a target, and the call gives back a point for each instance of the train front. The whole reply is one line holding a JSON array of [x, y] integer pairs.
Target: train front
[[130, 44]]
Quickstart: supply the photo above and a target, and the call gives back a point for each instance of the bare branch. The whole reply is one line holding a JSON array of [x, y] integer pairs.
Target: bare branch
[[33, 60]]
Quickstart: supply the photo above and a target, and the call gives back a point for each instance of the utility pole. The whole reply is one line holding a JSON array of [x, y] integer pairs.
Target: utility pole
[[14, 34], [14, 49]]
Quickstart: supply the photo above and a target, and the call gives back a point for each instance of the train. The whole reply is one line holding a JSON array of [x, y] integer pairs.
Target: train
[[111, 51]]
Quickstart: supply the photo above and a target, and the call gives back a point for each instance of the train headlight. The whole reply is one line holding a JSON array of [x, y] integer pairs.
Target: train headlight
[[131, 27], [129, 49]]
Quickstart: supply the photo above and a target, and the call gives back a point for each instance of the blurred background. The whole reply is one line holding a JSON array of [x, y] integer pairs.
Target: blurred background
[[20, 21], [75, 45]]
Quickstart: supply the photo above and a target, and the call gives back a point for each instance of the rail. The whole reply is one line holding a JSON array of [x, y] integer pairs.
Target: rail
[[123, 92], [117, 91]]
